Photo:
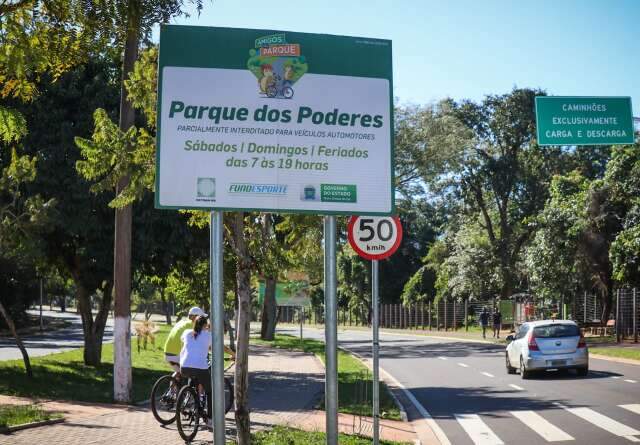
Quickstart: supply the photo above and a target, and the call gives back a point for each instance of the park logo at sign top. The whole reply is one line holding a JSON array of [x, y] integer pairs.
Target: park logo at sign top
[[274, 121], [584, 120]]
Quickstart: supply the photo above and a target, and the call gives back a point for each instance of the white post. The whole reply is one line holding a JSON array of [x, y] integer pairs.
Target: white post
[[216, 245], [376, 349], [330, 331], [41, 298], [301, 320]]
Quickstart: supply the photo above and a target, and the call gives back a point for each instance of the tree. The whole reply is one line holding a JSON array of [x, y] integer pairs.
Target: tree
[[80, 230], [492, 163]]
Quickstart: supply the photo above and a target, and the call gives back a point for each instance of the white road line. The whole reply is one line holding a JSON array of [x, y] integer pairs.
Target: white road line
[[540, 425], [487, 374], [478, 431], [464, 365], [630, 381], [519, 388], [442, 358], [431, 423], [615, 377], [604, 422], [634, 408]]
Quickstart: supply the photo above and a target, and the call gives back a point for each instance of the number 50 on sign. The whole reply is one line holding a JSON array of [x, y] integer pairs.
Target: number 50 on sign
[[375, 237]]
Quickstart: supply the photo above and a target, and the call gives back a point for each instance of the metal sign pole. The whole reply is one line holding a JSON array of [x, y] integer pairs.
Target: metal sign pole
[[376, 348], [217, 326], [330, 330]]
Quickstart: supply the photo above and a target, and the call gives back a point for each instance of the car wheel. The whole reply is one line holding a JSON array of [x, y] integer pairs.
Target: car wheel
[[510, 369], [524, 374], [582, 372]]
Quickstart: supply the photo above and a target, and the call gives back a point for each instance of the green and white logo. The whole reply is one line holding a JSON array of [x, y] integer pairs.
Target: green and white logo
[[206, 188]]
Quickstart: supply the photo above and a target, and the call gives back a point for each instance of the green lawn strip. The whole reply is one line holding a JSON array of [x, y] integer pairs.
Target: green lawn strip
[[289, 436], [630, 353], [12, 415], [354, 378], [64, 375]]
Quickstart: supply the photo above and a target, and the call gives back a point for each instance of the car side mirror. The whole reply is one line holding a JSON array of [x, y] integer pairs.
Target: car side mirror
[[510, 338]]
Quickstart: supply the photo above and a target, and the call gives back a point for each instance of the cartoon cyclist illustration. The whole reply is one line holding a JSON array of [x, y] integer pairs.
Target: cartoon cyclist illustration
[[277, 65]]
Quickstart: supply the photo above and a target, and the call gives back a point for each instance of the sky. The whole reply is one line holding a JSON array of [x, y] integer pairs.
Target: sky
[[466, 49]]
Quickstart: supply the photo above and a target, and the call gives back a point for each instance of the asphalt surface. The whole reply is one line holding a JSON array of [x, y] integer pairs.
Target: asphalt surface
[[464, 386], [51, 342]]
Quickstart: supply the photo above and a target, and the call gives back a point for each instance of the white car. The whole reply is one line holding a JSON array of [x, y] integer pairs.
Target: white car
[[547, 344]]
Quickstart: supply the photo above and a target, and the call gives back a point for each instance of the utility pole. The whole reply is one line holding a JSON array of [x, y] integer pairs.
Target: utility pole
[[122, 379]]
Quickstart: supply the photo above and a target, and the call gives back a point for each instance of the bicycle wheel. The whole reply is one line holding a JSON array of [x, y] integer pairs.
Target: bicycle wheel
[[272, 91], [188, 413], [287, 92], [163, 399], [228, 394]]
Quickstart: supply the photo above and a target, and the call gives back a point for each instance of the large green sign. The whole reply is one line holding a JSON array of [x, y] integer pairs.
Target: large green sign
[[252, 119], [566, 120]]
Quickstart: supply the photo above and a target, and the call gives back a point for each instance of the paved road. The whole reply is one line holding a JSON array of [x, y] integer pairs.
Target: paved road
[[464, 386], [51, 342]]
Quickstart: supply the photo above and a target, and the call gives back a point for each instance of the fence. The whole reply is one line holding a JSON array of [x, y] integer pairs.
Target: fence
[[584, 308]]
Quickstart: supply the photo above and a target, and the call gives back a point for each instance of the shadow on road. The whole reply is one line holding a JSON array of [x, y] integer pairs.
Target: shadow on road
[[486, 401]]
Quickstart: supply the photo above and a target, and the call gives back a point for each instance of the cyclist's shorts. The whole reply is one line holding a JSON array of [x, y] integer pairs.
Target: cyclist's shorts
[[174, 361]]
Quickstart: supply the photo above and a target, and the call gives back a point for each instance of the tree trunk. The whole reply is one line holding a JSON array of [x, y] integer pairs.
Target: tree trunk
[[23, 350], [243, 279], [122, 379], [231, 331], [93, 329], [269, 310], [167, 309]]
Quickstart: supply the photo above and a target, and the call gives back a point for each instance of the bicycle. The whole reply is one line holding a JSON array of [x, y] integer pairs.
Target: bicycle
[[164, 394], [191, 406]]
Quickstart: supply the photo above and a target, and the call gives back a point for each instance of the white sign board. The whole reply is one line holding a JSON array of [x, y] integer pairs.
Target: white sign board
[[281, 122]]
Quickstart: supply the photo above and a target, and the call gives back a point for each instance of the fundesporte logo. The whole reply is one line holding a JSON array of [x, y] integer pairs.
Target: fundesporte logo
[[258, 189], [277, 65]]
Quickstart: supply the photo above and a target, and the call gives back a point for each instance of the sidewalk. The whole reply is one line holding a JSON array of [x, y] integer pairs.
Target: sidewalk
[[284, 388]]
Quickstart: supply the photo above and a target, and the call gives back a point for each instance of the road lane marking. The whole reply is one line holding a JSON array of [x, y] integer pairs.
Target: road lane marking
[[630, 381], [464, 365], [442, 358], [519, 388], [542, 426], [478, 431], [616, 377], [634, 408], [604, 422], [487, 374]]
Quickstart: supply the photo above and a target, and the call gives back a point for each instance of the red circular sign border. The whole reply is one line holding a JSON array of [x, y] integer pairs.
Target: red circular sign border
[[368, 256]]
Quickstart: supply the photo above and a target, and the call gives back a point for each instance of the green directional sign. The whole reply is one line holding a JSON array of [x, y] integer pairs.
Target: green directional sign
[[567, 120]]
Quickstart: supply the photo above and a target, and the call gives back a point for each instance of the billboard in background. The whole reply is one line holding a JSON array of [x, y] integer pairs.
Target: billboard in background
[[274, 121]]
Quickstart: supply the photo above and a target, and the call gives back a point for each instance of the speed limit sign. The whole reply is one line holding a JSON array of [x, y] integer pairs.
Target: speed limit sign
[[375, 237]]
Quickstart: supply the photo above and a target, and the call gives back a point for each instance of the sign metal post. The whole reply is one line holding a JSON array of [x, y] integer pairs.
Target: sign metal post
[[217, 327], [376, 350], [331, 330], [375, 238]]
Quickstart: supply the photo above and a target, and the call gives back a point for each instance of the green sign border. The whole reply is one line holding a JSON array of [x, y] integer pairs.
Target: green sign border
[[198, 38], [584, 144]]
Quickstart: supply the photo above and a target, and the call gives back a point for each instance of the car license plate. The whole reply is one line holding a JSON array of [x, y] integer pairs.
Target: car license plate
[[557, 362]]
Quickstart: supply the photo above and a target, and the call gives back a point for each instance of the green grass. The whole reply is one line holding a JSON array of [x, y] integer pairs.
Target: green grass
[[354, 378], [630, 353], [64, 375], [11, 415], [289, 436]]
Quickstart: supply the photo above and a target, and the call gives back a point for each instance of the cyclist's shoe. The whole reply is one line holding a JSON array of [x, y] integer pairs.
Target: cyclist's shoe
[[209, 424]]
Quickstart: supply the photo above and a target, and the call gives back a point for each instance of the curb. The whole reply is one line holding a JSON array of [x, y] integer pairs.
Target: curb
[[627, 361], [365, 362], [24, 426]]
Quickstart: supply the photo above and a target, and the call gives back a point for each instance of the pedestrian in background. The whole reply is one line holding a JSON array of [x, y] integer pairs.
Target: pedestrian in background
[[497, 323], [484, 321]]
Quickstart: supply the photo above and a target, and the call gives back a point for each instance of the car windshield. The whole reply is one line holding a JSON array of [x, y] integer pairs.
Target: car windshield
[[556, 330]]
